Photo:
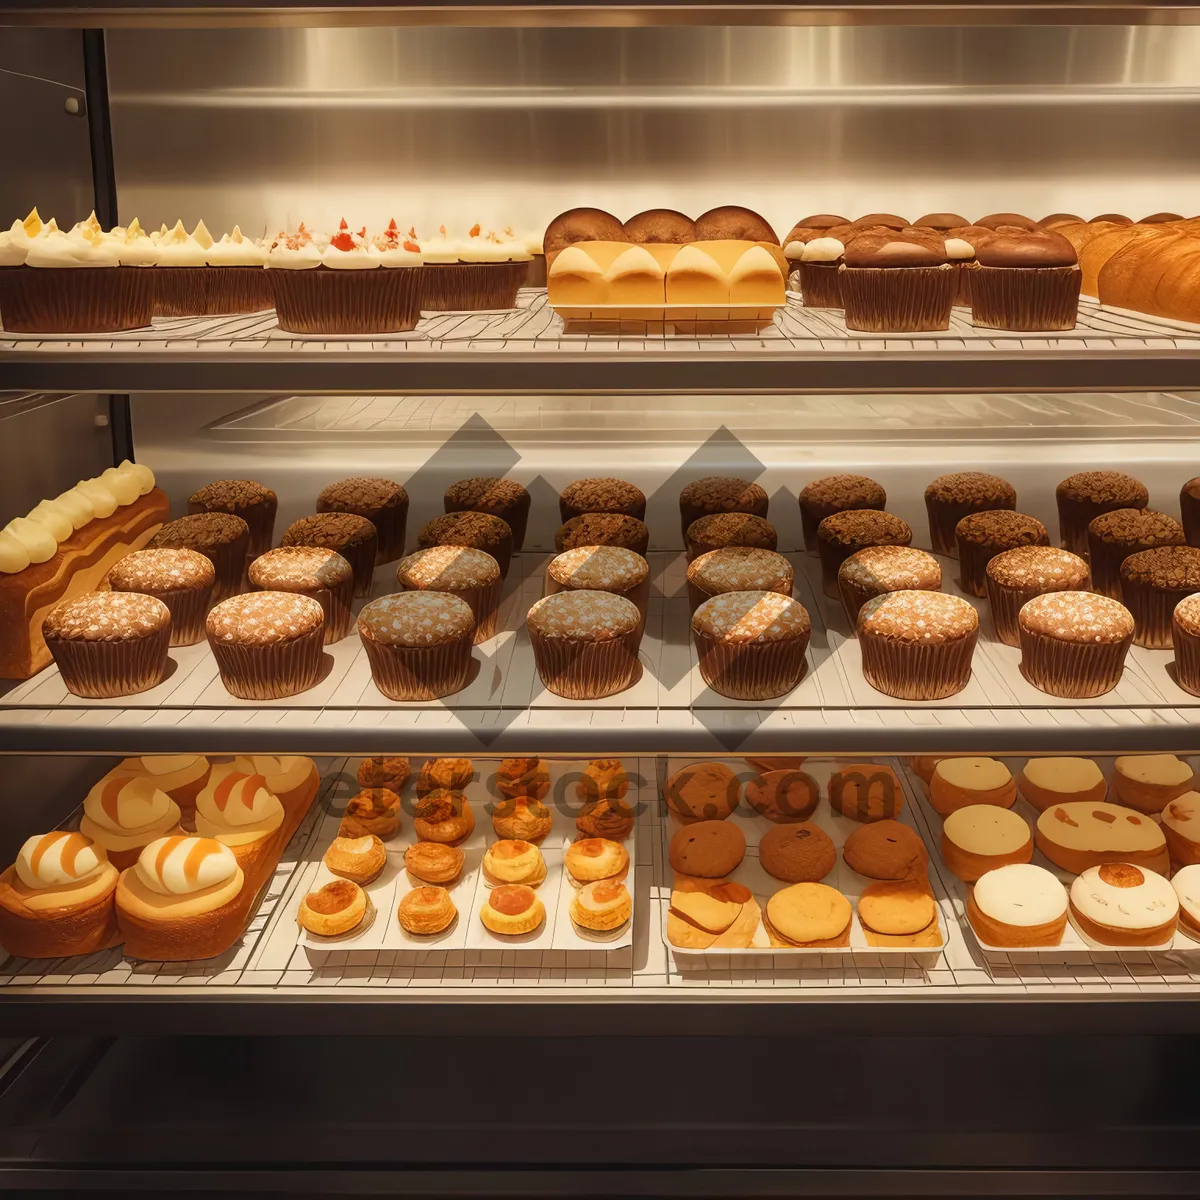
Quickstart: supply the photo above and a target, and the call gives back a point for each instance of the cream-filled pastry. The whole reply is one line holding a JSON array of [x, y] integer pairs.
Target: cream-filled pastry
[[602, 906], [358, 859], [240, 812], [57, 898], [1119, 904], [292, 777], [181, 776], [122, 814], [514, 861]]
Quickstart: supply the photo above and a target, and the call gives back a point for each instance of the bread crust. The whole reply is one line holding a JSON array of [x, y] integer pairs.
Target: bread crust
[[946, 798], [1110, 935], [1043, 798], [1078, 861], [1183, 851], [56, 932], [1000, 933], [1149, 798], [181, 939], [969, 867]]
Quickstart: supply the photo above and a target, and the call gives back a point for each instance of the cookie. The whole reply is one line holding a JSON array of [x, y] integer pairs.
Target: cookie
[[700, 912], [707, 849], [866, 792], [808, 913], [702, 792], [800, 853], [886, 850], [896, 907], [783, 795]]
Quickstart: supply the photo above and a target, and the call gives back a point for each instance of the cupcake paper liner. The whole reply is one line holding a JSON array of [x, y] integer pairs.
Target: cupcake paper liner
[[1073, 521], [832, 555], [819, 285], [915, 671], [754, 671], [237, 290], [419, 672], [189, 610], [1025, 298], [103, 670], [466, 287], [579, 670], [535, 272], [180, 291], [261, 520], [1153, 612], [1071, 670], [75, 299], [1105, 561], [391, 525], [327, 300], [229, 563], [1187, 660], [270, 672], [962, 289], [1005, 603], [897, 299]]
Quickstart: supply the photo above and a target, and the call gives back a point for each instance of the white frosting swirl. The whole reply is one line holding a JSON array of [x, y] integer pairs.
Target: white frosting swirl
[[123, 484], [231, 800], [179, 866], [126, 804], [59, 858], [442, 249], [822, 250], [299, 251], [281, 774], [488, 248], [135, 248], [178, 248], [236, 250], [75, 249], [38, 541]]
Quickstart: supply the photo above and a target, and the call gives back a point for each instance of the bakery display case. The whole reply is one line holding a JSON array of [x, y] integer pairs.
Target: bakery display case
[[473, 584]]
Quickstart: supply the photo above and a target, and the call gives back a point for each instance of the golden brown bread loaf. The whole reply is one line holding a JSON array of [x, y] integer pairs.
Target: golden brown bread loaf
[[1103, 246], [1157, 275]]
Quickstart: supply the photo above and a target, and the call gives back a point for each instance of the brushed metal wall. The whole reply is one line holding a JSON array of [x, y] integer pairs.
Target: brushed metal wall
[[509, 126]]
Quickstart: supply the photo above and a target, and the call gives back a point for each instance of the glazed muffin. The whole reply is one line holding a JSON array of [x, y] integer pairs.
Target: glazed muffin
[[877, 570], [471, 575], [601, 496], [503, 498], [418, 644], [268, 645], [1185, 636], [1083, 497], [720, 494], [841, 535], [603, 529], [585, 644], [737, 569], [917, 645], [1013, 578], [1114, 536], [751, 645], [1073, 644], [182, 579], [728, 529], [610, 569], [949, 498], [221, 537], [834, 494], [1189, 510], [323, 575], [353, 537], [980, 536], [380, 501], [480, 531], [108, 644], [255, 504], [1153, 582], [897, 281]]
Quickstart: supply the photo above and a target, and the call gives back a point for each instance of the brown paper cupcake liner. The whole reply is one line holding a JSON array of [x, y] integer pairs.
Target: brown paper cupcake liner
[[1005, 605], [819, 285], [897, 299], [420, 672], [75, 299], [962, 290], [103, 670], [327, 300], [180, 291], [484, 602], [189, 611], [1105, 561], [757, 671], [1153, 612], [467, 287], [261, 520], [361, 558], [270, 672], [587, 670], [1187, 660], [638, 595], [391, 525], [917, 672], [229, 563], [832, 555], [535, 272], [1073, 521], [335, 603], [1071, 670], [237, 290], [1025, 298]]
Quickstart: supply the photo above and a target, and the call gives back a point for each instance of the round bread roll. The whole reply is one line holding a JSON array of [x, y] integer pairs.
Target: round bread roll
[[660, 225], [1018, 905], [733, 223], [580, 225], [958, 782], [982, 837], [1119, 904], [1047, 781]]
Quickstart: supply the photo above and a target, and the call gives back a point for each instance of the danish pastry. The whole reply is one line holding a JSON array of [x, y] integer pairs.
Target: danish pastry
[[1047, 781], [373, 810], [293, 779], [783, 794], [358, 859], [1020, 905], [704, 791], [1077, 836], [603, 779], [181, 776], [443, 816], [453, 774], [514, 862], [592, 859], [601, 906], [808, 914], [801, 853], [426, 911], [523, 818], [335, 910], [1181, 826], [866, 792], [240, 812], [1149, 782], [391, 773], [123, 814], [959, 782], [707, 849], [886, 850], [982, 837], [523, 777], [610, 818], [1119, 904], [434, 862], [512, 909]]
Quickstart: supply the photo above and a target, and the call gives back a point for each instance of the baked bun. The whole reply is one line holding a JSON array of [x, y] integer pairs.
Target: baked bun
[[808, 914], [434, 862], [816, 225], [373, 810], [391, 773], [784, 795], [426, 911], [801, 853], [1046, 781], [592, 859], [982, 837], [1119, 904], [523, 819], [708, 849], [512, 909], [702, 791], [451, 773], [606, 819], [443, 816], [866, 792], [1060, 219], [509, 861], [1078, 835], [523, 777], [1149, 782], [664, 226], [359, 859], [707, 914], [943, 222], [1161, 218], [896, 907], [732, 223], [337, 909], [1007, 220], [580, 225], [881, 220], [886, 850], [1111, 219], [1019, 905], [601, 906], [958, 782], [603, 779]]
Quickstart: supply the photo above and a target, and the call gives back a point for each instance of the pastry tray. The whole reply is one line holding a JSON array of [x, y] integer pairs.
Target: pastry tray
[[1075, 945], [557, 932], [923, 947]]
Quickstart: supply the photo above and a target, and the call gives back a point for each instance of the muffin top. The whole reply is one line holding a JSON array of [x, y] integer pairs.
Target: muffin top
[[485, 493], [941, 221], [1077, 617], [724, 493], [604, 495], [447, 569], [601, 529], [1136, 527], [1025, 248], [1104, 487], [106, 617], [228, 495], [599, 568], [299, 568], [1001, 527], [1187, 614], [740, 569], [972, 487], [892, 569], [732, 529], [1039, 567], [864, 527], [583, 616], [198, 530], [918, 617], [264, 618], [837, 493], [481, 530], [1006, 220], [352, 495], [1191, 489], [333, 530], [748, 618], [161, 571], [1169, 567], [890, 248], [416, 619]]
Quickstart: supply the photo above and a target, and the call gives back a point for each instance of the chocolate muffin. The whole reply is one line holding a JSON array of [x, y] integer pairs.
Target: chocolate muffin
[[352, 536], [380, 501], [1085, 496], [182, 579], [836, 493], [503, 498], [1014, 577], [1114, 536], [1025, 280], [662, 226], [585, 644], [980, 536], [601, 496], [418, 644], [268, 645], [322, 575], [728, 529], [877, 570], [1185, 636], [481, 531], [737, 569], [949, 498], [1153, 582], [255, 504], [612, 569], [815, 256], [471, 575], [897, 281], [1073, 644], [840, 535], [603, 529], [1189, 510], [221, 537], [720, 494]]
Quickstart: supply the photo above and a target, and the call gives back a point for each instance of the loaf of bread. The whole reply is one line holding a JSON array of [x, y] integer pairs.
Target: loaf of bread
[[1157, 273]]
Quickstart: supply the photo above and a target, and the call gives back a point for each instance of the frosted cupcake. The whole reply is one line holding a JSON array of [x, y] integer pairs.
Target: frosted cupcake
[[181, 280], [236, 279], [480, 271]]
